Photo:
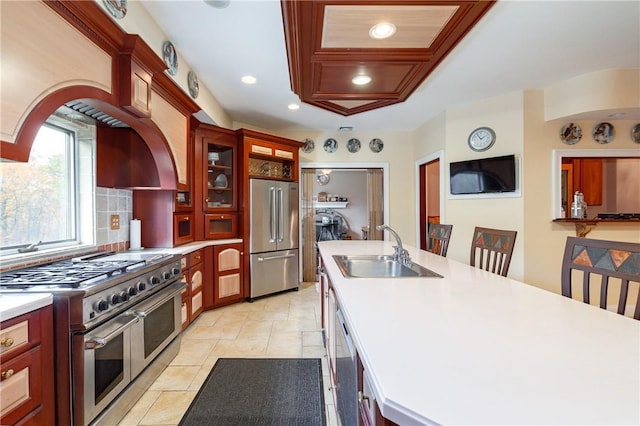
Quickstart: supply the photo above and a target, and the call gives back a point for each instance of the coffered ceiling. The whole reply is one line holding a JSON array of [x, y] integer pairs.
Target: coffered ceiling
[[329, 43], [516, 45]]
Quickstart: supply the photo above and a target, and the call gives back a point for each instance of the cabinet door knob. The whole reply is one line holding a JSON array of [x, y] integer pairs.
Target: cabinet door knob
[[362, 397], [7, 374], [7, 342]]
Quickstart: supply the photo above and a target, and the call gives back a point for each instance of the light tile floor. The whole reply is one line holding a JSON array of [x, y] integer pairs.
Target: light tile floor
[[280, 326]]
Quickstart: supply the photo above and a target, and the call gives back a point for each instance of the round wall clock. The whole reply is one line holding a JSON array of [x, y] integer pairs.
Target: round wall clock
[[322, 179], [635, 133], [482, 138]]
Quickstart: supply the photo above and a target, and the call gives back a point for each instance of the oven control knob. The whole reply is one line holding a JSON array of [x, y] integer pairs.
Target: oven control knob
[[154, 280], [175, 271], [141, 286], [101, 305], [115, 299], [132, 291], [166, 275], [124, 296]]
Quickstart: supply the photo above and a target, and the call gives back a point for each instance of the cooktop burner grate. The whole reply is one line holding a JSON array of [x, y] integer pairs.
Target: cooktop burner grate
[[68, 273]]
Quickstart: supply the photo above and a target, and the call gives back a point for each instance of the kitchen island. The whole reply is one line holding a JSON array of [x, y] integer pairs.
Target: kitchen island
[[477, 348]]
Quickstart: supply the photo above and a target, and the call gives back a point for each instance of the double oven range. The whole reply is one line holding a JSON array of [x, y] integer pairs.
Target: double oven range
[[117, 321]]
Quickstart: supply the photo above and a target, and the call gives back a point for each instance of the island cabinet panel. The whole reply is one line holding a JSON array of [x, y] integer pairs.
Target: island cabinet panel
[[368, 410], [36, 40], [27, 379]]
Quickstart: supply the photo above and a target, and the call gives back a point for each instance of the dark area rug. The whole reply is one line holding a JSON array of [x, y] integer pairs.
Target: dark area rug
[[259, 392]]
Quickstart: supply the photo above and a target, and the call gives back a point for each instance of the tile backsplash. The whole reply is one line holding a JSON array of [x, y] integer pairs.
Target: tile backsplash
[[110, 201]]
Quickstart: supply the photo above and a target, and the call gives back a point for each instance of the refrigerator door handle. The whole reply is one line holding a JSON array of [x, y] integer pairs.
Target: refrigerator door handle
[[280, 217], [272, 215], [284, 256]]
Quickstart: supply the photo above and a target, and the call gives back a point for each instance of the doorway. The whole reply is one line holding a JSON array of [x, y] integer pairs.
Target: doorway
[[429, 172], [340, 202]]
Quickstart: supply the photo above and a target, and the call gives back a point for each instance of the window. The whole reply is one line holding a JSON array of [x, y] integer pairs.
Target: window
[[41, 200]]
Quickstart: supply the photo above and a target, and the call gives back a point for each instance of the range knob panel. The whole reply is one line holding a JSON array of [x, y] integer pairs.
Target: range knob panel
[[101, 305]]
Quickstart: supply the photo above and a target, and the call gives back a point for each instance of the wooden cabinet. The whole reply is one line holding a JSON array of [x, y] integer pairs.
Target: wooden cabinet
[[220, 225], [215, 181], [26, 358], [196, 282], [228, 275], [183, 228], [588, 178], [269, 156], [192, 296], [223, 264]]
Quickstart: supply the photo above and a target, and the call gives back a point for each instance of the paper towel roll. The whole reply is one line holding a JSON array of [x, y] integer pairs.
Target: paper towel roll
[[134, 235]]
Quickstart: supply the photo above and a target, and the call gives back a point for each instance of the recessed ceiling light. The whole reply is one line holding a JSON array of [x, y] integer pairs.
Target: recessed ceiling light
[[382, 30], [361, 80], [218, 4], [293, 107], [249, 79]]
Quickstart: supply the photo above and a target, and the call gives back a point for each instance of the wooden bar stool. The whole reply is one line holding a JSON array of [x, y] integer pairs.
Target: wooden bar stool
[[491, 249], [611, 265]]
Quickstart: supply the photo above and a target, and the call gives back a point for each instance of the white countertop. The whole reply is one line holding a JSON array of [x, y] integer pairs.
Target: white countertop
[[477, 348], [13, 305]]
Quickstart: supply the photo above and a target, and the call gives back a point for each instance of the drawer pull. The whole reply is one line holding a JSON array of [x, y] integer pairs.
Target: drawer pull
[[7, 374], [7, 342]]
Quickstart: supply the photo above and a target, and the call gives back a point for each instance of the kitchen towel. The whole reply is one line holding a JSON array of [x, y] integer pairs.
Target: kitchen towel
[[259, 392], [135, 234]]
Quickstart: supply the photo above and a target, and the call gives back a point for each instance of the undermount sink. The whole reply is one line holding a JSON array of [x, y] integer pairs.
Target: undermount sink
[[374, 266]]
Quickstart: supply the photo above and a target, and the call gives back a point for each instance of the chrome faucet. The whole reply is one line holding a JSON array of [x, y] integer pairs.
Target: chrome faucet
[[400, 254]]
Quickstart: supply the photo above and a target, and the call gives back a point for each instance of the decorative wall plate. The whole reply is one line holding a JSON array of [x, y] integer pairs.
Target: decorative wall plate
[[571, 133], [635, 133], [309, 146], [192, 82], [353, 145], [117, 8], [603, 133], [376, 145], [170, 57], [330, 145]]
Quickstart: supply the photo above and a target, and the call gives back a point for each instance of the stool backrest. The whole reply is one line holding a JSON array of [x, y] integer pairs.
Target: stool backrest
[[438, 238], [491, 249], [603, 269]]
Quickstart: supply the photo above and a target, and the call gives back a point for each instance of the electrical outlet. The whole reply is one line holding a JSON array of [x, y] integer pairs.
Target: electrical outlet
[[115, 222]]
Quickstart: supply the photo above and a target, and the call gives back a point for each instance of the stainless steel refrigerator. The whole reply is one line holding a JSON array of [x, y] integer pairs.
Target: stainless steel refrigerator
[[273, 236]]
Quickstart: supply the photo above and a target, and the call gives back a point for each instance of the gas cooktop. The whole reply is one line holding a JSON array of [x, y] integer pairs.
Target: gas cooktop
[[78, 272]]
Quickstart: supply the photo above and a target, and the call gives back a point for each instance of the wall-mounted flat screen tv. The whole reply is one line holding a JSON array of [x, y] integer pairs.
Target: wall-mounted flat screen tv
[[484, 175]]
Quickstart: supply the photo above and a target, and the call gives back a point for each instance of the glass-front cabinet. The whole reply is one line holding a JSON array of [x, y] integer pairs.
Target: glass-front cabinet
[[216, 182], [221, 175]]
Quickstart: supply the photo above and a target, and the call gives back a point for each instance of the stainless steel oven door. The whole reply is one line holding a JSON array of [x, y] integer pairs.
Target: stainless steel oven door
[[107, 363], [160, 322]]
